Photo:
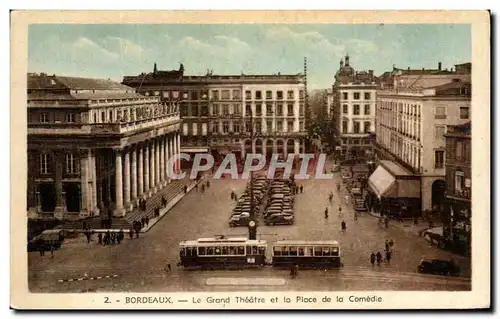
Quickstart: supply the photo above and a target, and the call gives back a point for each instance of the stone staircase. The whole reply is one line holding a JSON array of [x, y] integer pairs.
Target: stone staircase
[[170, 192]]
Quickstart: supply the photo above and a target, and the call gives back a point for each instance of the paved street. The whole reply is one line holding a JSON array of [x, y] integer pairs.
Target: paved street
[[138, 263]]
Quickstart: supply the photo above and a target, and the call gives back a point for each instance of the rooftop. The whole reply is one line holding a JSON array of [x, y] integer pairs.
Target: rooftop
[[44, 81], [395, 168]]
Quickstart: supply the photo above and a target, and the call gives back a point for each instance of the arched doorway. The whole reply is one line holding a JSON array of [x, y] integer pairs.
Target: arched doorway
[[280, 148], [72, 191], [438, 194], [269, 149], [258, 146], [248, 148], [290, 146]]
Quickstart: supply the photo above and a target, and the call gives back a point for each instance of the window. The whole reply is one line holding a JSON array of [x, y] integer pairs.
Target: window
[[194, 95], [464, 113], [440, 112], [290, 126], [215, 109], [44, 163], [175, 94], [356, 127], [44, 118], [269, 109], [344, 126], [204, 110], [459, 181], [215, 95], [236, 109], [258, 95], [225, 94], [269, 95], [277, 251], [71, 163], [248, 95], [293, 251], [345, 96], [194, 110], [301, 126], [258, 127], [301, 94], [289, 95], [356, 95], [345, 109], [459, 150], [110, 116], [367, 109], [95, 117], [225, 127], [279, 126], [248, 126], [279, 95], [236, 127], [248, 109], [438, 159], [215, 127], [258, 110], [290, 109], [279, 109], [236, 95], [356, 109], [367, 127], [70, 118], [440, 130], [301, 109], [367, 96], [225, 109], [269, 126]]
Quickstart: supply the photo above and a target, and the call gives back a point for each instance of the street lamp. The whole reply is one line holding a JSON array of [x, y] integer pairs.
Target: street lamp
[[252, 225]]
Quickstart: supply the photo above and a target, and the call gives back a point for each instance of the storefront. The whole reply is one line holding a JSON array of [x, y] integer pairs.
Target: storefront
[[457, 223], [394, 191]]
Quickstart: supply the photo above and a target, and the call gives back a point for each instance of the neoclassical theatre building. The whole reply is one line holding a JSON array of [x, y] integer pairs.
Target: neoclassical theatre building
[[95, 146], [217, 110]]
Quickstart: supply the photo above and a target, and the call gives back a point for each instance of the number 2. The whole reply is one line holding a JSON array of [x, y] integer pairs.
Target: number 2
[[106, 300]]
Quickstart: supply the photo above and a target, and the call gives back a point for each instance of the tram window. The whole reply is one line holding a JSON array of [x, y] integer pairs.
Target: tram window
[[201, 251], [262, 250], [241, 250], [284, 251], [310, 251], [217, 251], [277, 251], [254, 250], [335, 251], [293, 251], [232, 250], [210, 251], [188, 251], [249, 250], [183, 252], [317, 251], [326, 251], [301, 251], [225, 250]]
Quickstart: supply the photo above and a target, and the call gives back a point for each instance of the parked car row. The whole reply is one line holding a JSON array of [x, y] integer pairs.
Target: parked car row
[[279, 206], [241, 213]]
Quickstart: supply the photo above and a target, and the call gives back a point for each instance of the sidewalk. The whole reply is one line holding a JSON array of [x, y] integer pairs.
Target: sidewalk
[[406, 225]]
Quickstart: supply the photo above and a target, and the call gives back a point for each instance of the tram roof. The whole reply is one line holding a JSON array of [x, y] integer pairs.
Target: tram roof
[[229, 240], [306, 242]]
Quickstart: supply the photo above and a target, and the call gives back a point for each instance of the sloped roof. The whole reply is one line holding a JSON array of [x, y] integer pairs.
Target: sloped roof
[[91, 84]]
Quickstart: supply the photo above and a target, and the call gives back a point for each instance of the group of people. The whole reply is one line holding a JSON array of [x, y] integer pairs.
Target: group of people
[[378, 258], [196, 186], [110, 238]]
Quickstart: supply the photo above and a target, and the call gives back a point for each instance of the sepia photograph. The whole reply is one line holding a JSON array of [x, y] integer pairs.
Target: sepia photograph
[[238, 162]]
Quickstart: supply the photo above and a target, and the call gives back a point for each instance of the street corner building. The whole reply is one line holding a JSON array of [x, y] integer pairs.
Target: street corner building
[[218, 111], [415, 107], [95, 147]]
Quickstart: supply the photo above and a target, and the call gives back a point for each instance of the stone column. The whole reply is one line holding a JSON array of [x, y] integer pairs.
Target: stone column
[[178, 151], [174, 150], [93, 170], [161, 183], [297, 147], [157, 163], [126, 184], [133, 174], [168, 153], [152, 168], [146, 168], [140, 172], [84, 184], [59, 210], [119, 211], [32, 187]]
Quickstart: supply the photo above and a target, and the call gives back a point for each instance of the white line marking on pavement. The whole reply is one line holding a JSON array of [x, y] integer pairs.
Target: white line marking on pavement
[[235, 281]]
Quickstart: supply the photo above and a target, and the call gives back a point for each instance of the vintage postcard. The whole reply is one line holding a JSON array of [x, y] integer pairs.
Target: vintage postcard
[[250, 160]]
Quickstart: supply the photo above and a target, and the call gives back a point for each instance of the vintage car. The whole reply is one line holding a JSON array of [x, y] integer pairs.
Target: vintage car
[[280, 219], [47, 239], [438, 267]]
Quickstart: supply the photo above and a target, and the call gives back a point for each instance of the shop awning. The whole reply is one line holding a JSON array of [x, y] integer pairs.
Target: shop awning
[[381, 181]]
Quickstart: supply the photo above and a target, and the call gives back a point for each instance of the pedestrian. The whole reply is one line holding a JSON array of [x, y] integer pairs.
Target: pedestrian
[[301, 188], [99, 238], [121, 236], [338, 187], [340, 211], [355, 216], [51, 251], [388, 256], [202, 188], [379, 258], [326, 213], [163, 201], [372, 259], [344, 226], [232, 194], [208, 184], [137, 229], [330, 197], [386, 222], [391, 243], [196, 185], [386, 245], [346, 199], [41, 247], [185, 189], [131, 232], [143, 222], [146, 220]]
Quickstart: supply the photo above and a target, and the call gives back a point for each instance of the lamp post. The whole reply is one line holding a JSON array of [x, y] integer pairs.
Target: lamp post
[[252, 225]]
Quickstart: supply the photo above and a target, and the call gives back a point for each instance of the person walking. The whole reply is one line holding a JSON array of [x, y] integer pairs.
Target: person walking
[[99, 238], [379, 258], [330, 197], [387, 245], [372, 259], [388, 256], [340, 211], [326, 213], [208, 184], [344, 226], [301, 188]]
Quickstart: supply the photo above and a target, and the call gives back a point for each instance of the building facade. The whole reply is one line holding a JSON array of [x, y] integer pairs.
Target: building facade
[[354, 100], [457, 223], [412, 118], [95, 147], [216, 110]]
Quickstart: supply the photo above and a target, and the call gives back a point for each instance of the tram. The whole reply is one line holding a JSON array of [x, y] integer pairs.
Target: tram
[[306, 254], [222, 252]]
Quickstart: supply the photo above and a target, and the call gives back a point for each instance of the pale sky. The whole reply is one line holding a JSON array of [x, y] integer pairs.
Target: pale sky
[[112, 51]]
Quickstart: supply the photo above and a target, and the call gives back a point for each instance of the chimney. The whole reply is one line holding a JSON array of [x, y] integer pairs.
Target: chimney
[[408, 68], [439, 66]]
